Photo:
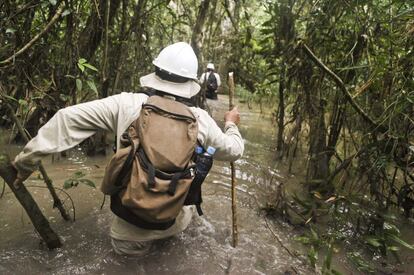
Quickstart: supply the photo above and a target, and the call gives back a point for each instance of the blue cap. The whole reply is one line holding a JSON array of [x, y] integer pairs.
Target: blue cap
[[199, 150], [211, 150]]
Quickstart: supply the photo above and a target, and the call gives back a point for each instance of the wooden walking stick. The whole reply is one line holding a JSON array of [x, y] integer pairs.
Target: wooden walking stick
[[233, 170]]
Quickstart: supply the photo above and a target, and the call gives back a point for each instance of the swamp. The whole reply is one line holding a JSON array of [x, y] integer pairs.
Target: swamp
[[325, 91]]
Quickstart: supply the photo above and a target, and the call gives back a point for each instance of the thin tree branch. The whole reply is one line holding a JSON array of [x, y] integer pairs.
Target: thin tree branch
[[341, 85], [37, 36]]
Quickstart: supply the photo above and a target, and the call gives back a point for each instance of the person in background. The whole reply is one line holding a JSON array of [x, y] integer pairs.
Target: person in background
[[211, 80], [175, 78]]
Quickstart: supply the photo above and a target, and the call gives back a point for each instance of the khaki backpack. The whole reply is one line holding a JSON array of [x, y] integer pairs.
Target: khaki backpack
[[149, 180]]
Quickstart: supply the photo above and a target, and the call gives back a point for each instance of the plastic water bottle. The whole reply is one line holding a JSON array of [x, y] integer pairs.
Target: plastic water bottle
[[204, 161]]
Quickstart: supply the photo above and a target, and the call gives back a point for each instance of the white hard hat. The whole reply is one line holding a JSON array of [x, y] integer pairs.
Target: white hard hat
[[176, 71], [210, 66], [179, 59]]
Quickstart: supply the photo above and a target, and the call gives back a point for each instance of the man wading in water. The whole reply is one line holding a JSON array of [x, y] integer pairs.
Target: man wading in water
[[212, 81], [168, 152]]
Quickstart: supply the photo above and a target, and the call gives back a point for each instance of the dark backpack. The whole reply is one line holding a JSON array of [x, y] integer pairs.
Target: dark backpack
[[212, 82]]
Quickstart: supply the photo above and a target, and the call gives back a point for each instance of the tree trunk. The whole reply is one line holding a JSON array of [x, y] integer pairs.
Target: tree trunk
[[196, 43], [281, 111]]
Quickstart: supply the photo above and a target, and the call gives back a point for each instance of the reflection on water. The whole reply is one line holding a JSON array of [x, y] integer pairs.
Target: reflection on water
[[204, 248]]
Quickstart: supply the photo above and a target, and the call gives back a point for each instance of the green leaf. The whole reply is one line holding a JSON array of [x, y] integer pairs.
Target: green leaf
[[53, 2], [373, 242], [91, 85], [67, 184], [398, 240], [313, 256], [66, 12], [11, 98], [391, 228], [314, 234], [89, 66], [360, 263], [81, 67], [393, 248], [88, 182], [303, 240], [22, 102], [64, 97], [78, 84], [78, 175], [328, 259], [81, 61]]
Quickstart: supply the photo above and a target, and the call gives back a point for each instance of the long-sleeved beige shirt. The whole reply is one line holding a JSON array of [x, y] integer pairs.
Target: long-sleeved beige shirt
[[71, 125]]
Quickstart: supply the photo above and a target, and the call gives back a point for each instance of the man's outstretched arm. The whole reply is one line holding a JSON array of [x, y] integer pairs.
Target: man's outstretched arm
[[71, 125]]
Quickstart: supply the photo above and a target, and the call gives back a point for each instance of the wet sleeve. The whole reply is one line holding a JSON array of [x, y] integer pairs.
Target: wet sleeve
[[67, 128], [229, 144]]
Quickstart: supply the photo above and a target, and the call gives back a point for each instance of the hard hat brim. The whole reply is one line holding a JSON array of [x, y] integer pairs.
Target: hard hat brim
[[187, 89]]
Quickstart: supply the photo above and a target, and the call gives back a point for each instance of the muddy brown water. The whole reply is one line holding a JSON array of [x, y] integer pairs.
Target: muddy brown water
[[203, 248]]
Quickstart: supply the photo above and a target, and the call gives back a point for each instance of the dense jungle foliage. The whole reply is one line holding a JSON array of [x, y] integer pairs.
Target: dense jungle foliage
[[337, 75]]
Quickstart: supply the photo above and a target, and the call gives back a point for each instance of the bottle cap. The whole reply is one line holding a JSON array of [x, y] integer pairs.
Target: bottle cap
[[211, 150], [199, 150]]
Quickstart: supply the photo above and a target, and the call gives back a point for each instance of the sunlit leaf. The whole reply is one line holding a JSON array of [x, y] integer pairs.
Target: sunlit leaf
[[89, 66], [81, 61], [22, 102], [393, 248], [81, 67], [391, 228], [373, 242]]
